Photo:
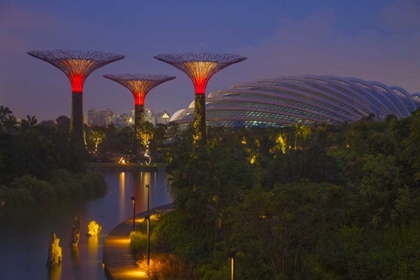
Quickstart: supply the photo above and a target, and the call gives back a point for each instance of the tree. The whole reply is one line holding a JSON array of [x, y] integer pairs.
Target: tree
[[274, 231], [95, 136], [28, 122], [7, 120]]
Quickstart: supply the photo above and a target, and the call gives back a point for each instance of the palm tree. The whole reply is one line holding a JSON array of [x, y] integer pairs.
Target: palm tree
[[5, 112], [7, 120], [29, 122]]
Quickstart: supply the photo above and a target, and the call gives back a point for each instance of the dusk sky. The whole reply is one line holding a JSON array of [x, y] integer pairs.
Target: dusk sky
[[368, 39]]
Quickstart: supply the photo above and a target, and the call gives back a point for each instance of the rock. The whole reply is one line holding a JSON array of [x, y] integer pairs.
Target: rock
[[93, 228], [54, 251], [75, 234]]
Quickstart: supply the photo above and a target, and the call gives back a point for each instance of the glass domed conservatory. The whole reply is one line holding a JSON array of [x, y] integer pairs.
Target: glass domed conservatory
[[285, 101]]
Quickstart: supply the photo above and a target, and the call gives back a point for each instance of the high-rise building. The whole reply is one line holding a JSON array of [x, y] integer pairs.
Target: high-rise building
[[91, 116], [99, 118], [149, 116]]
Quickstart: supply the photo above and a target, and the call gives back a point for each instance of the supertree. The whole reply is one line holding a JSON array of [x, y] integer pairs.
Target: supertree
[[77, 66], [139, 85], [200, 67]]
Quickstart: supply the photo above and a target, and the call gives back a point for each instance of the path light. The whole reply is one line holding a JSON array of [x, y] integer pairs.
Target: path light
[[231, 256]]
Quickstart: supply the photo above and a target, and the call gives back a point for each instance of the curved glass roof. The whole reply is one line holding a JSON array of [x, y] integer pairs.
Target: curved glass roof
[[284, 101]]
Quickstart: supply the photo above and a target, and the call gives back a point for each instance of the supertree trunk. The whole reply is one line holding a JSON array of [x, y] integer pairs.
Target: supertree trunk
[[200, 67], [77, 66], [138, 126], [139, 85], [200, 133], [76, 124]]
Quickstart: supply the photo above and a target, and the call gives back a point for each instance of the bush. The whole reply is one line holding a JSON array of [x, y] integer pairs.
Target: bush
[[16, 196], [171, 267], [93, 184], [41, 190], [177, 237], [65, 184]]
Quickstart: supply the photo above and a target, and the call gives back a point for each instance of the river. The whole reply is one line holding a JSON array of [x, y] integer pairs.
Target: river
[[25, 230]]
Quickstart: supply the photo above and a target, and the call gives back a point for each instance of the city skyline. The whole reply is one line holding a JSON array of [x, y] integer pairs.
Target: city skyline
[[371, 40]]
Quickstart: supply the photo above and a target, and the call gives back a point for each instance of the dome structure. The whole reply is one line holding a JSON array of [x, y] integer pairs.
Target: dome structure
[[285, 101]]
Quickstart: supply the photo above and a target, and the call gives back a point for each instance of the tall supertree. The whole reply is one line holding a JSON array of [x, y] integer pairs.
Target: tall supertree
[[200, 67], [77, 66], [139, 85]]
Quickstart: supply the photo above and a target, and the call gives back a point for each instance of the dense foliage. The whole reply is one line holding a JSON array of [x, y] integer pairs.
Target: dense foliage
[[319, 202], [39, 163], [105, 141]]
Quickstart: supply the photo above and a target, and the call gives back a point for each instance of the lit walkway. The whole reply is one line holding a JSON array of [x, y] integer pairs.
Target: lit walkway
[[118, 261]]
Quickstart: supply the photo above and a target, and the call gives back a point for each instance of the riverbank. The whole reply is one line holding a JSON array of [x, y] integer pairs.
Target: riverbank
[[111, 166], [118, 261], [63, 185]]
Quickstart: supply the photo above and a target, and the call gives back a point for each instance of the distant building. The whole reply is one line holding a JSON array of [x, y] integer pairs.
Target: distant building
[[163, 118], [149, 116], [99, 118], [91, 117], [106, 117], [122, 120], [286, 101]]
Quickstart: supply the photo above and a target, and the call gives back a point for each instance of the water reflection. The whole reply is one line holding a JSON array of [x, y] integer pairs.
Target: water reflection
[[25, 231], [54, 272], [123, 199], [93, 246], [74, 250], [140, 192]]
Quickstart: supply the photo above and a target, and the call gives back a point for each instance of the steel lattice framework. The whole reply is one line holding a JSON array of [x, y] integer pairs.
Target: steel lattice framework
[[139, 84], [77, 66], [309, 99], [200, 67]]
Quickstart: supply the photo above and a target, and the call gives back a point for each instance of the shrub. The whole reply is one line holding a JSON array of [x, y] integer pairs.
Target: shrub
[[41, 190], [93, 184], [178, 238], [16, 196], [65, 184], [171, 267]]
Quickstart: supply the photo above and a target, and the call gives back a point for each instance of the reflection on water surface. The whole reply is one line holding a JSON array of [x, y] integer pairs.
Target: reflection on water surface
[[25, 231]]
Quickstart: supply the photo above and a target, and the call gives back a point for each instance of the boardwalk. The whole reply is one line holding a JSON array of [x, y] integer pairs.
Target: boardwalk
[[119, 263]]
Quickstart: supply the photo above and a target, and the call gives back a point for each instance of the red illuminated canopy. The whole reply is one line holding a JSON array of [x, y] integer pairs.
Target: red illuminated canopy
[[77, 82], [76, 65], [139, 98], [139, 84], [200, 67]]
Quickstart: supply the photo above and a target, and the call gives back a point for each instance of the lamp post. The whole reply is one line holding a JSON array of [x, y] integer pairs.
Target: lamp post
[[231, 256], [148, 227], [133, 199]]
